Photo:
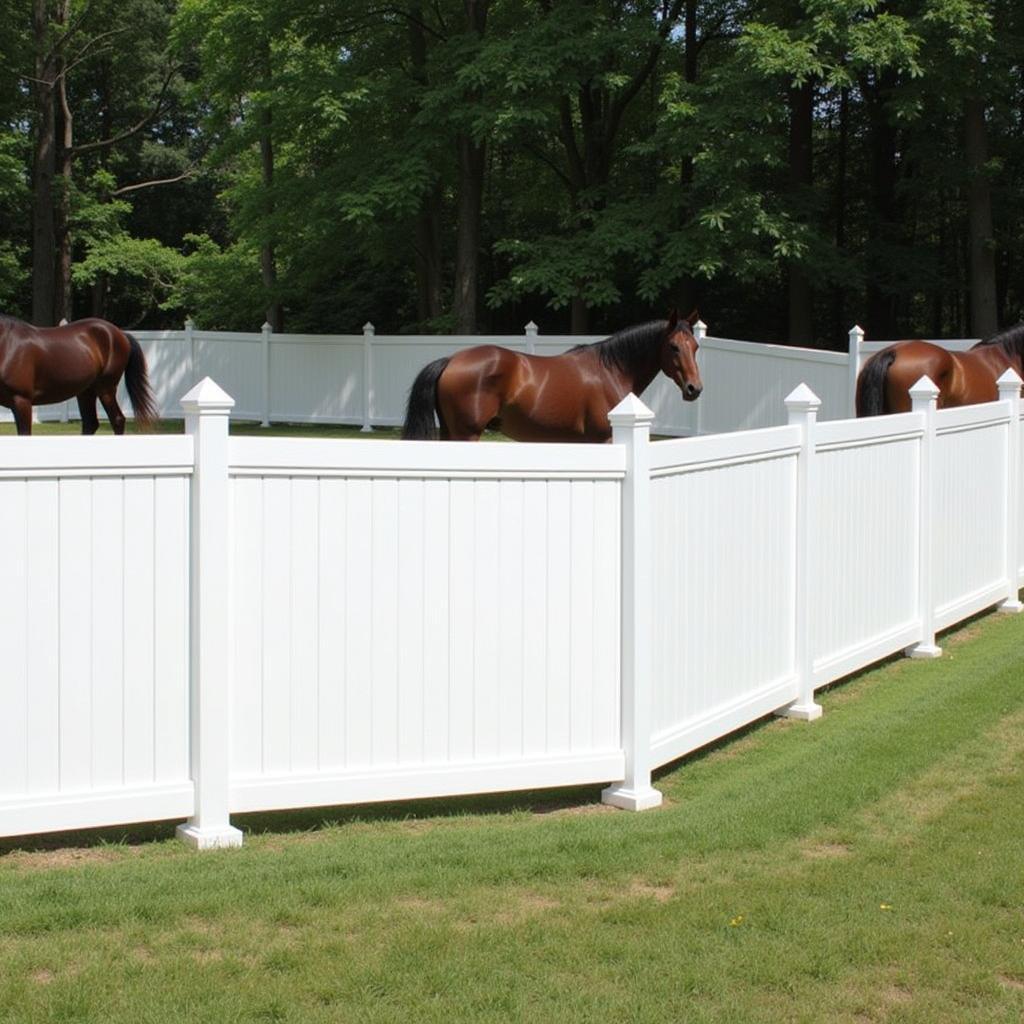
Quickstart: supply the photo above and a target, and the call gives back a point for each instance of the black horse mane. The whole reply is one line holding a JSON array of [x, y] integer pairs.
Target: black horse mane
[[626, 349], [1010, 340]]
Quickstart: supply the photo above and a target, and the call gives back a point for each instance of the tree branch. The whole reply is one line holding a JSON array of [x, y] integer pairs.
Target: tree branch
[[624, 98], [89, 147], [124, 189]]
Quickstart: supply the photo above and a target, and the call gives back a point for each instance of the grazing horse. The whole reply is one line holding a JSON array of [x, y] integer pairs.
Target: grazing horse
[[549, 398], [963, 378], [83, 359]]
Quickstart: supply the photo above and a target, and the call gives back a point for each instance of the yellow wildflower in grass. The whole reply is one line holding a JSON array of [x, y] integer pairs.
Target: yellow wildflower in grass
[[885, 906], [736, 921]]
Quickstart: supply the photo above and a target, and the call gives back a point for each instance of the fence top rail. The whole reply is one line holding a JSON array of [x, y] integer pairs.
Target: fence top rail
[[131, 455], [838, 434], [812, 355], [685, 454], [966, 417], [274, 456]]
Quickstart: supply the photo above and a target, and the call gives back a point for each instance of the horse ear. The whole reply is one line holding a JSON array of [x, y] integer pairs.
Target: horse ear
[[673, 319], [693, 317]]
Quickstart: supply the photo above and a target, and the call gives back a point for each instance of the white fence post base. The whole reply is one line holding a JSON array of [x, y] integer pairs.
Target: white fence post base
[[802, 407], [924, 397], [209, 838], [207, 409], [631, 426]]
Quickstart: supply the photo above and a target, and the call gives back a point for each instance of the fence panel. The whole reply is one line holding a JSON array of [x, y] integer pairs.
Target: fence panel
[[315, 379], [969, 570], [864, 534], [94, 630], [423, 619], [745, 384], [723, 533]]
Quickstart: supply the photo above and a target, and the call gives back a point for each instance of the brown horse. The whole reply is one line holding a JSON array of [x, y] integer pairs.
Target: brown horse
[[963, 378], [83, 359], [549, 398]]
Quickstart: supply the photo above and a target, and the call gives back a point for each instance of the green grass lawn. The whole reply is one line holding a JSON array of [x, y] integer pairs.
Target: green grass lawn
[[865, 867]]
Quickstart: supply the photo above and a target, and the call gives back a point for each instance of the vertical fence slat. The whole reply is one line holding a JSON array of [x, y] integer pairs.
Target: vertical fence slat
[[1009, 391]]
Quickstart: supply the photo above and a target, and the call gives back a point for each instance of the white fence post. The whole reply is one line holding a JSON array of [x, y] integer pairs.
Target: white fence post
[[190, 340], [531, 338], [924, 397], [207, 409], [631, 426], [802, 406], [700, 332], [368, 333], [266, 330], [1009, 391], [856, 339]]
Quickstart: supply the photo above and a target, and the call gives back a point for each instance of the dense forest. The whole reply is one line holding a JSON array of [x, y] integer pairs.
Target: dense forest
[[787, 166]]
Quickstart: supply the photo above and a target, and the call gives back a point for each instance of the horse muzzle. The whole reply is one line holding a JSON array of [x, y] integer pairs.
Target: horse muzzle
[[691, 392]]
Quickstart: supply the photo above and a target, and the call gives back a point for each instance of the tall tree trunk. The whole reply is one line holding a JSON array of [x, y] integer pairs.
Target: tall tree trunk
[[882, 227], [429, 290], [472, 158], [979, 222], [801, 169], [428, 261], [839, 324], [44, 166], [62, 293], [685, 297], [268, 259], [471, 164]]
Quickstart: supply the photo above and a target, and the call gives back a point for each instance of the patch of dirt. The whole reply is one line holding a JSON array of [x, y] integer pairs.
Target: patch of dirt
[[1011, 983], [42, 977], [826, 851], [68, 857], [645, 890]]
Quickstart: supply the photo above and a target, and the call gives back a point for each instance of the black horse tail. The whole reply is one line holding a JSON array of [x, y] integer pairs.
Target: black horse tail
[[871, 383], [136, 380], [419, 413]]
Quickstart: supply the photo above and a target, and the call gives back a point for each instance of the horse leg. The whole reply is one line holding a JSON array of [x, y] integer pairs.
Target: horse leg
[[87, 410], [113, 410], [22, 409]]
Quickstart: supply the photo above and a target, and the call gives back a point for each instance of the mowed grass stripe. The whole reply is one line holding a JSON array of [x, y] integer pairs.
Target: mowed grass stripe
[[864, 867]]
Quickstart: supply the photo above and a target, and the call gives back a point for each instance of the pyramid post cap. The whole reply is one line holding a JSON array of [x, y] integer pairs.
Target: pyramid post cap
[[629, 411], [207, 394], [924, 388], [1010, 379], [802, 397]]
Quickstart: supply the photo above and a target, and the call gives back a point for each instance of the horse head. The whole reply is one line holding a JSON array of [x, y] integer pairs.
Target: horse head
[[679, 355]]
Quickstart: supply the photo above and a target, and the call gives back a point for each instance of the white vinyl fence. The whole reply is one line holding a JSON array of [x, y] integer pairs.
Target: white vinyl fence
[[365, 379], [194, 626]]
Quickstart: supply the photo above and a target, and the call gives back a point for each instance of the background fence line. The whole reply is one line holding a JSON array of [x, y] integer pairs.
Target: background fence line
[[364, 379], [201, 625]]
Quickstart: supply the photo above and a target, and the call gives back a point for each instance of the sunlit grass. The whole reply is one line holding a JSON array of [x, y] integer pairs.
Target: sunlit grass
[[866, 867]]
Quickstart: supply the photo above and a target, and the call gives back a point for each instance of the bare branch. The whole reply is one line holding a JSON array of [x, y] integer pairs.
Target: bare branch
[[125, 189], [158, 107]]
